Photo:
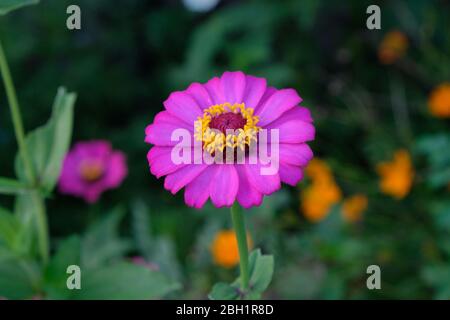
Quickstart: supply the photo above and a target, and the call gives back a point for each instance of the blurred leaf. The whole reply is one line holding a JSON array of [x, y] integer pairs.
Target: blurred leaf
[[7, 6], [141, 227], [18, 278], [124, 281], [441, 214], [437, 150], [261, 271], [24, 211], [55, 275], [11, 186], [159, 250], [223, 291], [101, 243], [438, 276], [210, 38], [306, 12], [331, 227], [48, 144], [8, 228], [300, 280]]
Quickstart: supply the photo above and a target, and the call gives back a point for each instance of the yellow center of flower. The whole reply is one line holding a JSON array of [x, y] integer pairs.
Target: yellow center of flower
[[226, 125], [91, 171]]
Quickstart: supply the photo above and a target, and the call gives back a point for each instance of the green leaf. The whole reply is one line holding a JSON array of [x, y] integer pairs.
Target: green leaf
[[261, 271], [9, 227], [11, 186], [438, 276], [55, 274], [141, 227], [101, 243], [436, 148], [159, 249], [7, 6], [124, 281], [223, 291], [18, 278], [25, 213], [48, 144]]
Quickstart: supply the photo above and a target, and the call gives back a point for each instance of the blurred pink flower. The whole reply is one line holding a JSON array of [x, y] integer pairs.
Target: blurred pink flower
[[234, 101], [90, 168]]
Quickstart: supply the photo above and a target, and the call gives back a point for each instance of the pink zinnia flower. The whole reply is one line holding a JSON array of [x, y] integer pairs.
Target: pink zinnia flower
[[239, 102], [90, 168]]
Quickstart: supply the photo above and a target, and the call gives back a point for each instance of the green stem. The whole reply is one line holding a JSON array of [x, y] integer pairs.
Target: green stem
[[241, 235], [41, 218], [42, 226], [16, 116]]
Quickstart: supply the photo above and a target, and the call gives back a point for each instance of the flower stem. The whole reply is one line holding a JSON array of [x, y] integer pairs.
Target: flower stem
[[16, 116], [42, 226], [241, 235], [41, 218]]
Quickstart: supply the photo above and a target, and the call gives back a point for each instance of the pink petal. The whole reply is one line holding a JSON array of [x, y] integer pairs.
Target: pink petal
[[197, 192], [233, 86], [295, 153], [290, 174], [92, 149], [267, 94], [160, 134], [183, 106], [200, 95], [160, 161], [214, 89], [266, 184], [224, 186], [247, 195], [293, 131], [117, 170], [254, 91], [167, 117], [296, 113], [276, 105], [178, 179]]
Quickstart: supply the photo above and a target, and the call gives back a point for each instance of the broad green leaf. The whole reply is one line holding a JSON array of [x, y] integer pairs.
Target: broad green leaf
[[25, 212], [5, 254], [159, 249], [10, 5], [261, 271], [141, 227], [102, 243], [48, 144], [55, 275], [9, 227], [11, 186], [18, 278], [124, 281], [223, 291]]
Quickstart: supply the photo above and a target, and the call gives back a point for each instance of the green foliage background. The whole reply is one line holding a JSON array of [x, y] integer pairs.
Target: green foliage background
[[131, 54]]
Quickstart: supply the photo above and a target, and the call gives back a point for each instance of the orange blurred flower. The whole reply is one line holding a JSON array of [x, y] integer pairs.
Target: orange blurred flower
[[224, 248], [392, 47], [318, 198], [396, 175], [354, 206], [439, 101]]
